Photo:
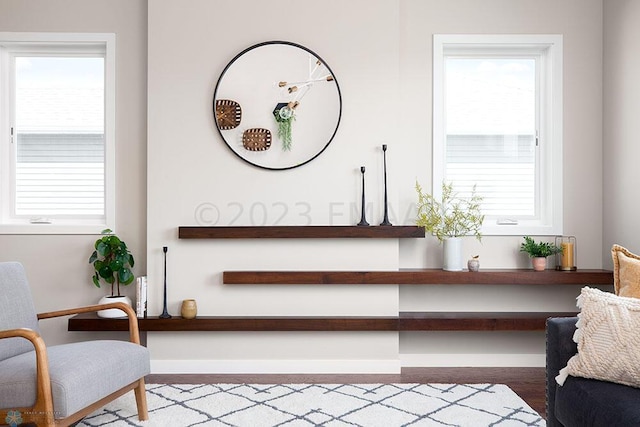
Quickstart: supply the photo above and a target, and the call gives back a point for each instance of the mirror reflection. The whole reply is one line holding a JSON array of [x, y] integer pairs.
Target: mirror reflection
[[277, 105]]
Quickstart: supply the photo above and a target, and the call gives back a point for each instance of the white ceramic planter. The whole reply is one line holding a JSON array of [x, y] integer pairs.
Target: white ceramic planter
[[452, 251], [113, 312]]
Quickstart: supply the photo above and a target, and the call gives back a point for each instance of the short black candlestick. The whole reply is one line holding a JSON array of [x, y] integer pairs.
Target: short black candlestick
[[363, 220], [385, 221], [165, 314]]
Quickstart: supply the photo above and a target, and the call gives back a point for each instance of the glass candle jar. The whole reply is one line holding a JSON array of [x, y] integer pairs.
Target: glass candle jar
[[566, 260]]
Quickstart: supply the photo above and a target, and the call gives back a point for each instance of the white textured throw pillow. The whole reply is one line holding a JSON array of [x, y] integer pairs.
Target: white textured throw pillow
[[608, 338]]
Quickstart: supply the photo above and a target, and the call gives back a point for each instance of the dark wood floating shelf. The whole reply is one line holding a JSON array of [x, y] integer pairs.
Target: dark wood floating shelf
[[300, 231], [476, 321], [420, 277], [407, 321], [91, 322]]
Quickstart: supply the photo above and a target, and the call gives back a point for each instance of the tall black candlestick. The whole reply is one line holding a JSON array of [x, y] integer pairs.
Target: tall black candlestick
[[385, 221], [363, 221], [165, 314]]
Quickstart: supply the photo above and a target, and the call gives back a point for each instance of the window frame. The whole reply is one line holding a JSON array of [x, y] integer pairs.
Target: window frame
[[55, 44], [548, 52]]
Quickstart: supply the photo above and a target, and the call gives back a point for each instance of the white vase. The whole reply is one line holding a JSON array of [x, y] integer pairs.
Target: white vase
[[452, 251], [113, 312]]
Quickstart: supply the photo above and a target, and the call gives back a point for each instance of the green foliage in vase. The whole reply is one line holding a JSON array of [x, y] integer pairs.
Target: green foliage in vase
[[112, 262], [539, 249], [452, 215]]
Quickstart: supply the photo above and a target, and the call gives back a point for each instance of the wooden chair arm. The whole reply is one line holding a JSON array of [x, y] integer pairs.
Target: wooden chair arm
[[44, 400], [134, 333], [26, 333]]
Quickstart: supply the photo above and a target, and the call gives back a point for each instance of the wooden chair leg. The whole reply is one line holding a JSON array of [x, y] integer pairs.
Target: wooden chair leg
[[141, 400]]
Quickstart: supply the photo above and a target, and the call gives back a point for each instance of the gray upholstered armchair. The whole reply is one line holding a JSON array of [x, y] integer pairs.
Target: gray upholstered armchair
[[59, 385]]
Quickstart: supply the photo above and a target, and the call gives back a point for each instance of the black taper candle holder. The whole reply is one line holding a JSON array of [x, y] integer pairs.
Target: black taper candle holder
[[385, 220], [363, 221], [165, 314]]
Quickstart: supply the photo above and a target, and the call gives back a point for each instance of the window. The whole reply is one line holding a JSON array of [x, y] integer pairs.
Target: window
[[498, 126], [57, 132]]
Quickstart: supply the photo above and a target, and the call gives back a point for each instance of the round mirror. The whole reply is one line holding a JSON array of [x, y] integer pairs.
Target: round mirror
[[277, 105]]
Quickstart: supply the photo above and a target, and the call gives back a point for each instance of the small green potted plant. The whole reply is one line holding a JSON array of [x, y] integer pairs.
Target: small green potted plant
[[449, 219], [112, 262], [538, 252]]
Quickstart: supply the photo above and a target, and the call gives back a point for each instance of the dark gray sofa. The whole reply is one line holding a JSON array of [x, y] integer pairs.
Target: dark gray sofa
[[583, 402]]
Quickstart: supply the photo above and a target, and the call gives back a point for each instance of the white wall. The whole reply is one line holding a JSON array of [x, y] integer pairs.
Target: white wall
[[189, 165], [621, 150], [57, 266], [580, 23], [380, 52]]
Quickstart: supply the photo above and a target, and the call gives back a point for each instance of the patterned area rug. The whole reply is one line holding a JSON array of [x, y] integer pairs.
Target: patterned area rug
[[334, 405]]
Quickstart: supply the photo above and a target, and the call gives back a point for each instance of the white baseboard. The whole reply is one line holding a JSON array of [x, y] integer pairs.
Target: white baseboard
[[472, 360], [391, 366], [386, 366]]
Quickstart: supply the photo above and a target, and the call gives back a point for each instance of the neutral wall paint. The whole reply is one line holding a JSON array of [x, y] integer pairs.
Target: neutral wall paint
[[382, 61], [621, 105], [580, 23], [57, 265], [381, 54], [190, 167]]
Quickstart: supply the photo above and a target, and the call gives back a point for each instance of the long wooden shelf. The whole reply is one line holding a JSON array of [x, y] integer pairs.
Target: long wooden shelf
[[91, 322], [407, 321], [300, 232], [476, 321], [420, 277]]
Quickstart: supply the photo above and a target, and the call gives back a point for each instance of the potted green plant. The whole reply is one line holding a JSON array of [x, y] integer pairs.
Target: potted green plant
[[449, 219], [112, 262], [539, 251]]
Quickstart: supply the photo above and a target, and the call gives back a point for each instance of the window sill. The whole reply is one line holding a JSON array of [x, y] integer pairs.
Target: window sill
[[52, 228], [522, 228]]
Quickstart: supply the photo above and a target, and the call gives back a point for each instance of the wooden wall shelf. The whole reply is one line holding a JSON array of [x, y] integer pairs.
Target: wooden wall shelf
[[300, 232], [407, 321], [420, 277], [476, 321], [91, 322]]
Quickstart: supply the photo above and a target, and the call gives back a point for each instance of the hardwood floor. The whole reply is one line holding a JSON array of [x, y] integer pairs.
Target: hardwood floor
[[528, 383]]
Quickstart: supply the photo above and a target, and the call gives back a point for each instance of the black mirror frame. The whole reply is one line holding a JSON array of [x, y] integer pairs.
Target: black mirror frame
[[250, 48]]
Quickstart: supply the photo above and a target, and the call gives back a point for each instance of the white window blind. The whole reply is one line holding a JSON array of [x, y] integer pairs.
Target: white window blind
[[491, 111], [59, 136]]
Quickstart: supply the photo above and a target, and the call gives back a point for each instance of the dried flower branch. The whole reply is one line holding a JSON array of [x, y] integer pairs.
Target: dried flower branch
[[452, 216]]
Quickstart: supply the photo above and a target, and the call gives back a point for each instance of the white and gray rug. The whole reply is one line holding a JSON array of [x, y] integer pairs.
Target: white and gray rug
[[331, 405]]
